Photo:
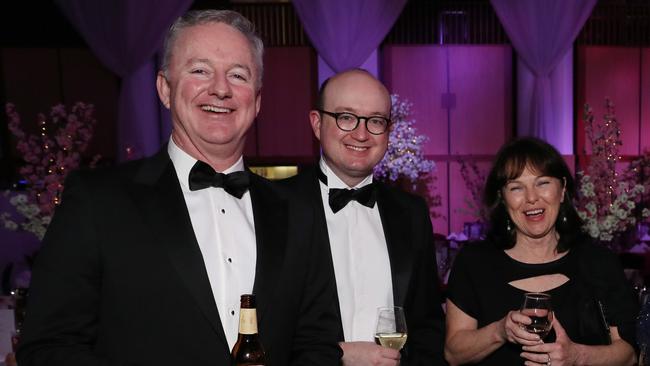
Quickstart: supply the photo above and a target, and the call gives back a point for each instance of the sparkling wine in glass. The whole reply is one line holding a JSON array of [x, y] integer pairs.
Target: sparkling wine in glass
[[537, 306], [391, 327]]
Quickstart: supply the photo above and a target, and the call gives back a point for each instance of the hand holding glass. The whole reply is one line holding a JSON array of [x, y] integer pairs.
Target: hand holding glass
[[537, 306], [391, 327]]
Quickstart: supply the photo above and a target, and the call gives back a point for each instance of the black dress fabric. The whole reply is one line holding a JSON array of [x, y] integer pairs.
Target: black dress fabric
[[479, 286]]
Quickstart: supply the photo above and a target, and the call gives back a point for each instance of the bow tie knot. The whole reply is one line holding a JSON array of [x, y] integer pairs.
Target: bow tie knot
[[203, 176], [340, 197]]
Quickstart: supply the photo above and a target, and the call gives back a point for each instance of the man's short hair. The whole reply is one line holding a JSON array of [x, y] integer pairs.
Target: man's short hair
[[320, 102], [228, 17]]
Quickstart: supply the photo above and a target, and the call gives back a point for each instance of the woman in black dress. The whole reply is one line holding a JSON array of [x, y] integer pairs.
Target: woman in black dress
[[535, 245]]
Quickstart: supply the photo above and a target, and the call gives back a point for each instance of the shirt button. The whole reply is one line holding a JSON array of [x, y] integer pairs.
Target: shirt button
[[232, 312], [229, 260], [223, 211]]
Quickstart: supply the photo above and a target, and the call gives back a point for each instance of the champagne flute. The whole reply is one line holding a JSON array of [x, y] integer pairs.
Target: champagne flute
[[537, 306], [391, 327]]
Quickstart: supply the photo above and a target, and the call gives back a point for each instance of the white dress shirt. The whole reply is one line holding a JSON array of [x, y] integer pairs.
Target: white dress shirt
[[225, 230], [361, 263]]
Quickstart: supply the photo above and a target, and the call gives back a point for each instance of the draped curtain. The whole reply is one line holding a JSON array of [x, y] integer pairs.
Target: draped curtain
[[542, 33], [125, 35], [346, 32]]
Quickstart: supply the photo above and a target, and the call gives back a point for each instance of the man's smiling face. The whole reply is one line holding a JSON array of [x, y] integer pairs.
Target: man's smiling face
[[352, 155], [211, 86]]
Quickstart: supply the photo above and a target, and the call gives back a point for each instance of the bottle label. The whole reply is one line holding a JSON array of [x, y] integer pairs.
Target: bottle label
[[247, 321]]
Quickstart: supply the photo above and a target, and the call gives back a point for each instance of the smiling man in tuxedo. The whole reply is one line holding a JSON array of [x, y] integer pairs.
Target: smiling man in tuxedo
[[144, 263], [381, 239]]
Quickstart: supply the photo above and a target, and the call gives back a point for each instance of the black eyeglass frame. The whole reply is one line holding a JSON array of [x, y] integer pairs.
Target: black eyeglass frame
[[358, 118]]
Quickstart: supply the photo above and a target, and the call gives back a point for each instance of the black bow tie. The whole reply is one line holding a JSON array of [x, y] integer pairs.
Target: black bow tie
[[340, 197], [203, 176]]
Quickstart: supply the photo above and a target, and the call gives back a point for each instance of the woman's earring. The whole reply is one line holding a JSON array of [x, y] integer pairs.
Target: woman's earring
[[564, 220], [508, 225]]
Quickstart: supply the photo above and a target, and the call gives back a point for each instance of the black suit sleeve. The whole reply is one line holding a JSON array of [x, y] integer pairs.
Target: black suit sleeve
[[64, 299], [425, 318]]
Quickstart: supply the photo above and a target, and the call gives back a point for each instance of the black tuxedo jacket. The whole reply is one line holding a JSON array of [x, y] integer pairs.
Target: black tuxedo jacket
[[120, 279], [409, 238]]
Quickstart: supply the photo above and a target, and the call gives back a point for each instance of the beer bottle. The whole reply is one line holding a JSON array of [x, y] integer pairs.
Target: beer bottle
[[248, 350]]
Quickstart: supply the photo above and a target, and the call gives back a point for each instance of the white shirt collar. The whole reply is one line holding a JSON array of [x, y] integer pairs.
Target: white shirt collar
[[333, 181], [183, 163]]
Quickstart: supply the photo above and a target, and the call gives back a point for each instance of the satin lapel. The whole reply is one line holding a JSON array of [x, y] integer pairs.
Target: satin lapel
[[161, 201], [396, 220], [307, 185], [312, 185], [271, 224]]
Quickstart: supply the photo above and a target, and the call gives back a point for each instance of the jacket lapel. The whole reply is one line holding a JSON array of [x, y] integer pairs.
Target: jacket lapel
[[396, 223], [308, 185], [271, 223], [312, 186], [158, 194]]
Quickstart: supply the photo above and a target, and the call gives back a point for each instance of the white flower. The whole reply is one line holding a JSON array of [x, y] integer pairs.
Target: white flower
[[10, 225], [582, 215], [29, 211], [39, 232], [591, 208], [31, 220], [614, 207], [587, 189], [23, 210], [19, 199], [593, 231], [645, 212], [608, 223], [34, 209]]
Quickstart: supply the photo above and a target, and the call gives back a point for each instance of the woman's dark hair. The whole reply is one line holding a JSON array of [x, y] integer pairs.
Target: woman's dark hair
[[510, 162]]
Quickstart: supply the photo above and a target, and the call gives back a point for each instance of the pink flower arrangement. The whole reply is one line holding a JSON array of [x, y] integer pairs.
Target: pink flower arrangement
[[606, 201], [639, 171], [404, 163], [404, 157], [49, 156]]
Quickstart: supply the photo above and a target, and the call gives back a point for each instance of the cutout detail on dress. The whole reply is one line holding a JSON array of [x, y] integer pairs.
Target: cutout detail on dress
[[542, 283]]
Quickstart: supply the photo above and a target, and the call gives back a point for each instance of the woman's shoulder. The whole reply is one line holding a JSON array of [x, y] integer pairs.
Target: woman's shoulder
[[588, 249], [597, 261], [479, 252]]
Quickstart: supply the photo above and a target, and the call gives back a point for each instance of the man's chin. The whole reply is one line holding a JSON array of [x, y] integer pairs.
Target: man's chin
[[359, 172]]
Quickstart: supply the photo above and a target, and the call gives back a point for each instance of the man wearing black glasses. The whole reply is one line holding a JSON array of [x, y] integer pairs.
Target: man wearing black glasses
[[380, 237]]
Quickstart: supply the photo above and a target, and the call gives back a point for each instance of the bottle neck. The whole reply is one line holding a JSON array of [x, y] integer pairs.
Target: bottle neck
[[247, 321]]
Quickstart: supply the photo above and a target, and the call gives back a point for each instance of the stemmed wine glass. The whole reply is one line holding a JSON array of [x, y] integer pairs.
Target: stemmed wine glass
[[391, 327], [537, 306]]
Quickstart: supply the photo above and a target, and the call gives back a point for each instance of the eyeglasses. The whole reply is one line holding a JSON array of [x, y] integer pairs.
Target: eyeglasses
[[346, 121]]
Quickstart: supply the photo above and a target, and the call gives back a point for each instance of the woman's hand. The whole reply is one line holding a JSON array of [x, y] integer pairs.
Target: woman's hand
[[514, 332], [10, 360], [559, 353]]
